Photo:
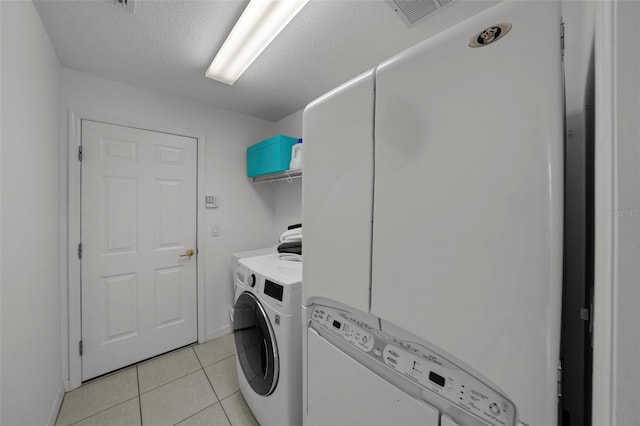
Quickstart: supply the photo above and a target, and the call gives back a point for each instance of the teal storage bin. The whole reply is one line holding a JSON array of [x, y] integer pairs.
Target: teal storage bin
[[270, 156]]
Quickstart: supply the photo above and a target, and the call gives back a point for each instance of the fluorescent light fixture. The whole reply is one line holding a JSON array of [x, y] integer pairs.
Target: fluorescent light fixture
[[260, 23]]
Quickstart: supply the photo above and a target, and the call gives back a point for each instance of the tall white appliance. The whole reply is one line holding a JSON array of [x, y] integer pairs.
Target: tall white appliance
[[432, 204]]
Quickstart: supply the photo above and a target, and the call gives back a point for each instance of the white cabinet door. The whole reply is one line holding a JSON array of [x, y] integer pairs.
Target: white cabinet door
[[337, 194], [138, 218], [467, 236]]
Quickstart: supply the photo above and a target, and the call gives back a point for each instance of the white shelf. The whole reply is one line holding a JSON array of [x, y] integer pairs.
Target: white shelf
[[287, 175]]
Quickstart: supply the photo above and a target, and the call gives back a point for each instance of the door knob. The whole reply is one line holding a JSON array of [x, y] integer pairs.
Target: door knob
[[188, 253]]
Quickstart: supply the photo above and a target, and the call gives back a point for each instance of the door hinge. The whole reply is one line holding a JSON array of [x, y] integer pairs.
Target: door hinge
[[79, 250], [80, 153], [80, 348], [560, 379], [562, 38]]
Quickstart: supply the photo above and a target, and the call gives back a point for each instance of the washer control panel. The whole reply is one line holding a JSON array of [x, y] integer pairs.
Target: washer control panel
[[241, 272], [420, 365], [355, 334]]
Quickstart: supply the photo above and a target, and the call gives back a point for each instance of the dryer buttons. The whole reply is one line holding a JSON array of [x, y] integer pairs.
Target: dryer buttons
[[494, 408]]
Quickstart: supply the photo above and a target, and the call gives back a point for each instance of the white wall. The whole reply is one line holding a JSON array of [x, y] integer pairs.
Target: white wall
[[617, 216], [246, 211], [31, 351], [288, 195]]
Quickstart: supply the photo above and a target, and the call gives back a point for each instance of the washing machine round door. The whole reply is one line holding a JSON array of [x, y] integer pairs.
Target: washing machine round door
[[255, 344]]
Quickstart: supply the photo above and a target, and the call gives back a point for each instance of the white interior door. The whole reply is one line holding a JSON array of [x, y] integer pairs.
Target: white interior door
[[138, 222]]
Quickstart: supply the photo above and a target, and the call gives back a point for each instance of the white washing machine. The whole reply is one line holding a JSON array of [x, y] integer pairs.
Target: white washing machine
[[238, 272], [268, 338]]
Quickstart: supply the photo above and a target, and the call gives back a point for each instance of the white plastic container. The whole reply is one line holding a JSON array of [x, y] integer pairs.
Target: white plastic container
[[296, 157]]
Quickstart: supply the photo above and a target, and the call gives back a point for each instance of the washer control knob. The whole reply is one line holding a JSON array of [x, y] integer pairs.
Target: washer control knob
[[494, 408], [252, 280]]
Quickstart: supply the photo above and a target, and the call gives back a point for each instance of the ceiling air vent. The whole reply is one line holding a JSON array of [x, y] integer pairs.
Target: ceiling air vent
[[412, 11], [127, 4]]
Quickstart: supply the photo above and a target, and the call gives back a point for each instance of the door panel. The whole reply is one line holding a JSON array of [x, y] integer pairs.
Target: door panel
[[121, 309], [138, 218], [168, 204], [121, 221], [336, 208], [168, 297]]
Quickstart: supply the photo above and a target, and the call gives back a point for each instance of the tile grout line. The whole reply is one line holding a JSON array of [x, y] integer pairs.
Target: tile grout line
[[197, 357], [220, 360], [102, 411], [211, 384], [215, 362], [188, 374], [225, 411], [196, 413], [214, 392], [174, 380], [171, 381], [116, 372], [139, 395], [242, 396]]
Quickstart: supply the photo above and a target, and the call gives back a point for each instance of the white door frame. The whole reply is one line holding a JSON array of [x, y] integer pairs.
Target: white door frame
[[74, 213], [605, 276]]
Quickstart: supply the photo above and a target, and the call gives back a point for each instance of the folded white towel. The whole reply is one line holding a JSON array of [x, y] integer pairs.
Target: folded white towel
[[292, 257], [295, 231], [291, 239], [290, 233]]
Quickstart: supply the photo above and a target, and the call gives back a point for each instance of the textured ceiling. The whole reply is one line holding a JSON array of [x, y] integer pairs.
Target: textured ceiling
[[167, 46]]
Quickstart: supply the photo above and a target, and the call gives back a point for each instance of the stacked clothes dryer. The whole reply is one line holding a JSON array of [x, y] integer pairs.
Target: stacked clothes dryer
[[443, 305]]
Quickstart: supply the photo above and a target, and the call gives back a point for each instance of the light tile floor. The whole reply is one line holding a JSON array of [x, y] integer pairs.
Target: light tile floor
[[194, 386]]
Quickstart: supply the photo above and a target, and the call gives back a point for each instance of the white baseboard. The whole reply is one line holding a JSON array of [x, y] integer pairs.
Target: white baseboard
[[55, 409], [219, 332]]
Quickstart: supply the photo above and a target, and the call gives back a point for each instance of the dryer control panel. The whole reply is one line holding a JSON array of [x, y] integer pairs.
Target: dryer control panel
[[359, 336], [420, 365]]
